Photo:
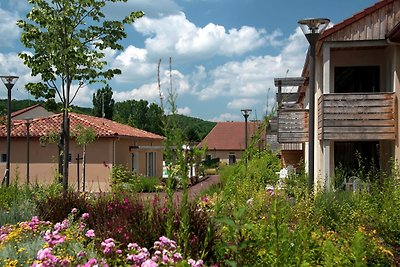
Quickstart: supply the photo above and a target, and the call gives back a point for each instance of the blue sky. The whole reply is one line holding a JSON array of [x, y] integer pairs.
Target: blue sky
[[225, 53]]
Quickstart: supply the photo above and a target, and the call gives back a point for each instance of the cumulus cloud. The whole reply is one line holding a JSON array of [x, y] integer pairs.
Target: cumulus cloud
[[147, 92], [242, 103], [175, 35], [184, 111], [253, 76], [11, 64], [9, 31], [133, 64], [226, 117]]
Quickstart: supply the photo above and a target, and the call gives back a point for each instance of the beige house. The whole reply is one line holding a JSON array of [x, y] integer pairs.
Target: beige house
[[356, 95], [226, 141], [31, 112], [137, 150]]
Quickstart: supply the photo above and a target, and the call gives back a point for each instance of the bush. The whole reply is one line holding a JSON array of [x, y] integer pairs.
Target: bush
[[148, 184]]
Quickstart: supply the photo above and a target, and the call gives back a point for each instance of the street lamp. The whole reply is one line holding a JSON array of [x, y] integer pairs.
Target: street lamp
[[245, 112], [9, 82], [312, 28], [27, 123]]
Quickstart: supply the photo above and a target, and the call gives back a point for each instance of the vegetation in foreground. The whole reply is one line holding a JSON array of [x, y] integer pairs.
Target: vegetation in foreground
[[249, 221]]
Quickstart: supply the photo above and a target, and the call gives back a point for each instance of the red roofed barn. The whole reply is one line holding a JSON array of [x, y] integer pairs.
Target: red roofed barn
[[138, 150], [226, 140]]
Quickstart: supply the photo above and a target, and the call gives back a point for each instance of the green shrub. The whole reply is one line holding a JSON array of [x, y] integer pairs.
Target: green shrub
[[148, 184]]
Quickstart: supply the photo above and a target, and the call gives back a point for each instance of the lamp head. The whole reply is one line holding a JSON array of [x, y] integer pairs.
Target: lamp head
[[9, 80], [313, 25], [246, 112]]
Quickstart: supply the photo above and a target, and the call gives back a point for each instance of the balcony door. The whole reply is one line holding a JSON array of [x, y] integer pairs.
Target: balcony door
[[357, 79]]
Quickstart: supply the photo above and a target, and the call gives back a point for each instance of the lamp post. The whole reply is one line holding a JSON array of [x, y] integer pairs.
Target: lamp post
[[9, 82], [312, 28], [27, 123], [245, 112]]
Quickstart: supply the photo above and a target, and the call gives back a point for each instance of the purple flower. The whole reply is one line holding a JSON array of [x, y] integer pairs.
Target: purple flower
[[149, 263], [85, 216], [90, 233]]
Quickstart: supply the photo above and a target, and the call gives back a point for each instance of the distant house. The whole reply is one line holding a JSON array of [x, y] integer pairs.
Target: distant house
[[226, 140], [32, 112], [138, 150]]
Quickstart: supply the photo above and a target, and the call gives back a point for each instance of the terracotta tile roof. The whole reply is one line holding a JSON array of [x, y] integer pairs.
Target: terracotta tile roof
[[228, 136], [21, 111], [103, 127], [360, 15]]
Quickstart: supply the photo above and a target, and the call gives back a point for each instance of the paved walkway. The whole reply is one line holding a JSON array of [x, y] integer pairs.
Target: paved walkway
[[194, 191]]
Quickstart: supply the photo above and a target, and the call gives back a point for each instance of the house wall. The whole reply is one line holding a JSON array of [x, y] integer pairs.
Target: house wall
[[388, 58], [37, 112], [127, 147], [223, 155], [100, 157]]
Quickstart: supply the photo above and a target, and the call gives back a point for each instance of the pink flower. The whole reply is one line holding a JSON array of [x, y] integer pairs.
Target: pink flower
[[74, 210], [149, 263], [90, 233], [85, 216]]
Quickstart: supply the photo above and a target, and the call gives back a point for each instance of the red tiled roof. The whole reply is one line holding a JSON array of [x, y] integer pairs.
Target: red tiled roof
[[21, 111], [228, 136], [103, 127], [355, 17]]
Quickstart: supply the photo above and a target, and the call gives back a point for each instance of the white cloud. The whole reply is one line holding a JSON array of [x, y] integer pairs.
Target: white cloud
[[253, 76], [175, 35], [133, 64], [226, 117], [11, 64], [147, 92], [184, 111], [83, 97], [242, 103], [9, 31]]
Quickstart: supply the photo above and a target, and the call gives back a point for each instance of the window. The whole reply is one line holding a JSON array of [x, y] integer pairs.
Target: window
[[134, 163], [3, 158], [357, 79], [151, 163], [232, 158]]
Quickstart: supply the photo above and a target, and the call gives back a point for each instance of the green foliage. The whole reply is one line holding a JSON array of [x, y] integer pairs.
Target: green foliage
[[103, 101], [83, 135], [122, 180], [16, 204], [194, 129], [148, 184], [140, 114]]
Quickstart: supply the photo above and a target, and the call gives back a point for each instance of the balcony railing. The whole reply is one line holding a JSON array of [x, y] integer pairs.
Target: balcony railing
[[292, 125], [357, 116]]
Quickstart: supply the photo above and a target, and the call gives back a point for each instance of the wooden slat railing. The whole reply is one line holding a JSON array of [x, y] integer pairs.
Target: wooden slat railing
[[357, 116], [292, 125]]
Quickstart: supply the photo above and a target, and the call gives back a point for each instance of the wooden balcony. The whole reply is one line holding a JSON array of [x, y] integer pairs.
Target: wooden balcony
[[292, 125], [357, 116]]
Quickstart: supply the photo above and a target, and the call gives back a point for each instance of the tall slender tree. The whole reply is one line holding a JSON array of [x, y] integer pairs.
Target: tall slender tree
[[67, 39], [103, 103]]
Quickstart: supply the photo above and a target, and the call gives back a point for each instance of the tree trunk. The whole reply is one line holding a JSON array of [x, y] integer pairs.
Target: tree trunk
[[84, 168], [65, 150], [66, 131]]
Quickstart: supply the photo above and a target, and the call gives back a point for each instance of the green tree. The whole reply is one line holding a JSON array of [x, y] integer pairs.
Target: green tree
[[67, 39], [103, 103], [140, 114]]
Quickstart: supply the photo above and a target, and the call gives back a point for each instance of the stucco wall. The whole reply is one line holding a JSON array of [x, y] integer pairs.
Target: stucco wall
[[99, 161]]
